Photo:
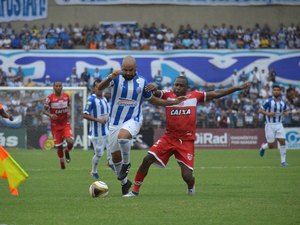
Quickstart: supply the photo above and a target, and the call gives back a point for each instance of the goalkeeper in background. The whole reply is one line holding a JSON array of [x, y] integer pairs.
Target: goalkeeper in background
[[57, 108], [4, 114]]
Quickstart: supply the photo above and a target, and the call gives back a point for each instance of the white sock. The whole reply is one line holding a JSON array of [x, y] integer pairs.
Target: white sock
[[125, 146], [109, 157], [282, 150], [95, 161], [118, 167], [265, 146]]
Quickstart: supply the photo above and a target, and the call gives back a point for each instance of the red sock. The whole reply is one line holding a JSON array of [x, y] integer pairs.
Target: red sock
[[60, 152], [138, 180]]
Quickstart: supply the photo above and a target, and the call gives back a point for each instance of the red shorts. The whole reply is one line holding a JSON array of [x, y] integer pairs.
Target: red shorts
[[166, 146], [60, 134]]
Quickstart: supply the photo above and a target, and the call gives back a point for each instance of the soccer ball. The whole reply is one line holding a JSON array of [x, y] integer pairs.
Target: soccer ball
[[98, 189]]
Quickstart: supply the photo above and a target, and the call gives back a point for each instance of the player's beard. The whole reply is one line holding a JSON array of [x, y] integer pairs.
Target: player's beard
[[128, 77]]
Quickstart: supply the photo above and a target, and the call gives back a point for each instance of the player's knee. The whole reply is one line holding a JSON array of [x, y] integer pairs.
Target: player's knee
[[99, 152], [116, 156], [149, 159]]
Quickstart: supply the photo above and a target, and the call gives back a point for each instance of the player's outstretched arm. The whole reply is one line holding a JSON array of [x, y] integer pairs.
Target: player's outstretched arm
[[223, 92], [163, 102], [105, 82]]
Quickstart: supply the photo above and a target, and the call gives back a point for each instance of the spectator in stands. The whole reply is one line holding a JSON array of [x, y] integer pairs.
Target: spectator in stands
[[85, 77], [240, 119], [18, 80], [3, 78], [30, 83], [74, 77], [158, 78], [48, 81], [42, 42], [211, 118], [223, 120], [15, 42], [51, 41], [77, 35], [157, 117]]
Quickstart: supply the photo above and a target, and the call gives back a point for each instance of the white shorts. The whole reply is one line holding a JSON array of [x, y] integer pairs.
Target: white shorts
[[132, 126], [99, 144], [274, 131]]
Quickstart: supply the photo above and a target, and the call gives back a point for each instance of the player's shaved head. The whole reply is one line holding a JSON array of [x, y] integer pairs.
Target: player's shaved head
[[129, 61], [129, 67]]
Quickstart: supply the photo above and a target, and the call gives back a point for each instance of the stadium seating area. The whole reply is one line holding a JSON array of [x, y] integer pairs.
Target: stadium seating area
[[124, 36], [238, 110]]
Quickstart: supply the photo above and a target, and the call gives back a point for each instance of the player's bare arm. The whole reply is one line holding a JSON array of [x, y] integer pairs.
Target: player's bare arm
[[264, 112], [105, 83], [286, 113], [47, 113], [162, 102], [223, 92], [102, 119]]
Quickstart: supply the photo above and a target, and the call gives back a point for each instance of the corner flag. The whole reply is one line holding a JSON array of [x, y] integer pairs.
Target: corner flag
[[11, 170]]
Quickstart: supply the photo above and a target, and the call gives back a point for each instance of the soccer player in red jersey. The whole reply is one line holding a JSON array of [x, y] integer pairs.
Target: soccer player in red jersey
[[4, 114], [57, 108], [179, 137]]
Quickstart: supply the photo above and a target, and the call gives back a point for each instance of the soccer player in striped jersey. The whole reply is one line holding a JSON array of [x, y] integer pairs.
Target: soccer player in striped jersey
[[125, 119], [96, 111], [179, 137], [274, 109]]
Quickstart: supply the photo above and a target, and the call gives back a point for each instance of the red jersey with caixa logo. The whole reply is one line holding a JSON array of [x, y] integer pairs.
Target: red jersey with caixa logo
[[59, 106], [181, 118]]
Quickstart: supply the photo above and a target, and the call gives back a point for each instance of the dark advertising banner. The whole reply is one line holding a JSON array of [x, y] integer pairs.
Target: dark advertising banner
[[225, 138], [14, 138]]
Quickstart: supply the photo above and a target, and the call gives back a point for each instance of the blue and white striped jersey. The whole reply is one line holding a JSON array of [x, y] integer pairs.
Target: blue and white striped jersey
[[97, 107], [278, 107], [126, 99]]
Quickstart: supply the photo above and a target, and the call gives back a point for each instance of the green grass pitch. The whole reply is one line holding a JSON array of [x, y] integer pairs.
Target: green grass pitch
[[233, 188]]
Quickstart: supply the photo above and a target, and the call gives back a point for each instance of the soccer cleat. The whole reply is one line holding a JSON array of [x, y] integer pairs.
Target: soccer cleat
[[131, 194], [124, 171], [62, 165], [261, 152], [95, 175], [126, 187], [284, 164], [191, 191], [67, 155]]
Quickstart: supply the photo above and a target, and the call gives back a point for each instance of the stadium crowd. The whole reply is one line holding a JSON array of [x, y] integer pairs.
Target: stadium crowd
[[235, 111], [132, 36]]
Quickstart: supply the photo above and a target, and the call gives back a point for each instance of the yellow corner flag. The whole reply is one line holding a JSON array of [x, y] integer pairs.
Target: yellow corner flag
[[11, 170]]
